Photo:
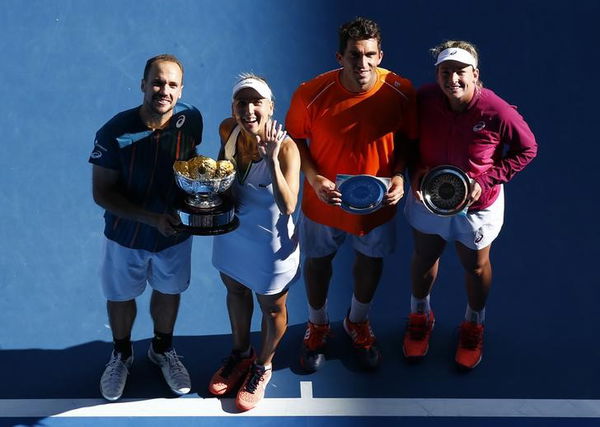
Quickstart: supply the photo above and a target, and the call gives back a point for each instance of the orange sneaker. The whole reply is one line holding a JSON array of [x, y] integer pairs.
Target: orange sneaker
[[231, 374], [470, 345], [416, 338], [363, 341], [253, 389], [312, 356]]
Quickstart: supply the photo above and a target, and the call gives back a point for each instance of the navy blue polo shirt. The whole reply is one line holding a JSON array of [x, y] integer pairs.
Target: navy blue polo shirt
[[144, 160]]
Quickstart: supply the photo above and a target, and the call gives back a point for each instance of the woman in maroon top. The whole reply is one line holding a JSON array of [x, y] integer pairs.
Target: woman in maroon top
[[467, 126]]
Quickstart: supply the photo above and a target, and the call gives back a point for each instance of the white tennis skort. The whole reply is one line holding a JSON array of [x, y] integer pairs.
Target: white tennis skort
[[476, 230]]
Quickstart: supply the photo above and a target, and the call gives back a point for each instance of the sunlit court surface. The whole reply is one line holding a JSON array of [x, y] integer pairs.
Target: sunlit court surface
[[69, 66]]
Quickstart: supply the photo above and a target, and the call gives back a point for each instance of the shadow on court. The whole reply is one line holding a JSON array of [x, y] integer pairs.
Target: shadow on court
[[507, 370]]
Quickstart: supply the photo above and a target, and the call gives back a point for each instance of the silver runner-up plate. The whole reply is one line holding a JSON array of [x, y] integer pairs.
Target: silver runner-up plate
[[361, 194], [445, 190]]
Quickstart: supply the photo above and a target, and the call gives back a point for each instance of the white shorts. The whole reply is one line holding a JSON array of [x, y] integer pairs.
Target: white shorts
[[126, 271], [476, 230], [318, 240]]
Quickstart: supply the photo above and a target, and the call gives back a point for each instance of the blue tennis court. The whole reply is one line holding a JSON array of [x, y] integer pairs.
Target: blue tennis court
[[68, 66]]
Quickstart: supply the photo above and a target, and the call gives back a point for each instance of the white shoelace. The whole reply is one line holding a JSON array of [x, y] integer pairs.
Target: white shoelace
[[113, 363], [175, 365]]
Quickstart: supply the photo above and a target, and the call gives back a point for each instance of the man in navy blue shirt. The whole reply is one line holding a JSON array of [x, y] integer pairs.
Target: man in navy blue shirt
[[133, 181]]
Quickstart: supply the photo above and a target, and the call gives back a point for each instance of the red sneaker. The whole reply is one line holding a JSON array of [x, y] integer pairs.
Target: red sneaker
[[470, 345], [363, 341], [416, 338], [312, 356], [253, 389], [229, 376]]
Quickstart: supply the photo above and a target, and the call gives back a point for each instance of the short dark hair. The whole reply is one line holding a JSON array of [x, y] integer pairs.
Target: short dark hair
[[358, 29], [165, 57]]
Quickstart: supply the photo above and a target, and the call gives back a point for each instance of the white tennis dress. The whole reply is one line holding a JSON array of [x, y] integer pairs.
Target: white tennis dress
[[262, 253]]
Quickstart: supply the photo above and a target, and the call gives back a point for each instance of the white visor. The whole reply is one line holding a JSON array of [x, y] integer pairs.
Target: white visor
[[456, 54], [258, 85]]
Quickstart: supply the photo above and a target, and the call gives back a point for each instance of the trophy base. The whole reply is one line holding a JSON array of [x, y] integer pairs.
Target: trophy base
[[208, 221]]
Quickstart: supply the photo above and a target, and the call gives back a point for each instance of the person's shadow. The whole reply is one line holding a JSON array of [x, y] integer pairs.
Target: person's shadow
[[72, 375]]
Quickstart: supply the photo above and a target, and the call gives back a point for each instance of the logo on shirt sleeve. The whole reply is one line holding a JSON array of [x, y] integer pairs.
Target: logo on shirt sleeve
[[96, 154], [479, 126], [97, 145], [180, 121]]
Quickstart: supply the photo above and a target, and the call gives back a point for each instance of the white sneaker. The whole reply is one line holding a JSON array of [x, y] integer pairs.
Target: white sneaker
[[176, 376], [114, 377]]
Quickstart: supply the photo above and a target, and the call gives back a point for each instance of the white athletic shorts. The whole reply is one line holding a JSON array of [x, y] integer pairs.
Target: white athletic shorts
[[318, 240], [476, 230], [126, 271]]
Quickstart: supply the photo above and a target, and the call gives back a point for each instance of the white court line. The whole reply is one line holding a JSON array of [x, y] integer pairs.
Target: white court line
[[306, 405]]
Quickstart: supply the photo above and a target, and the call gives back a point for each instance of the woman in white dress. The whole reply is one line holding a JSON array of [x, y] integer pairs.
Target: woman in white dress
[[261, 255]]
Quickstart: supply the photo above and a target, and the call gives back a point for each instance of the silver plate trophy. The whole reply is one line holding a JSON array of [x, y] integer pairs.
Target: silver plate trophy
[[206, 211], [361, 194], [445, 190]]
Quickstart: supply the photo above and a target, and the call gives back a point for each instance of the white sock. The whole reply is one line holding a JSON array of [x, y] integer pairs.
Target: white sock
[[475, 316], [358, 311], [318, 316], [419, 305]]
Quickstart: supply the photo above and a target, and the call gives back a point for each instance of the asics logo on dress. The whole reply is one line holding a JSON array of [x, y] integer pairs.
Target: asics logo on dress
[[96, 154], [478, 236], [180, 121]]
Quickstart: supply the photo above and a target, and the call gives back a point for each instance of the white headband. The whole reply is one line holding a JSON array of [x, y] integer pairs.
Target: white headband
[[456, 54], [258, 85]]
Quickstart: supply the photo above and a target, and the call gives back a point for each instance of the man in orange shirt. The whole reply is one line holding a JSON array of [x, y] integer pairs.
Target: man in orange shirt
[[354, 120]]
